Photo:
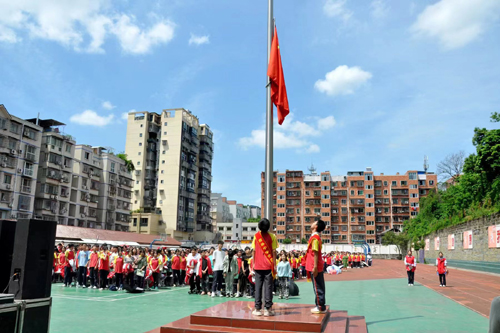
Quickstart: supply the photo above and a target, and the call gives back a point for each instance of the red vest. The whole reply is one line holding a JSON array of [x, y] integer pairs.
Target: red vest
[[176, 263], [155, 264], [303, 261], [261, 261], [411, 261], [104, 263], [441, 267], [329, 261], [310, 255], [119, 265], [183, 263]]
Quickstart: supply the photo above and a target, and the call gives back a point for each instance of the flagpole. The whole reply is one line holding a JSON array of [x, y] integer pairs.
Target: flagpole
[[268, 187]]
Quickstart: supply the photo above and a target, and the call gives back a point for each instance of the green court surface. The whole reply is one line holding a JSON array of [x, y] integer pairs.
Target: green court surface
[[388, 305]]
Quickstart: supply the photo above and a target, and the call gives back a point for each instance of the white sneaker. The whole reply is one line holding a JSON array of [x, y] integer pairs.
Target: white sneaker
[[257, 312], [316, 310], [440, 285], [94, 287], [213, 295], [409, 284], [444, 286], [219, 294], [100, 288], [269, 313]]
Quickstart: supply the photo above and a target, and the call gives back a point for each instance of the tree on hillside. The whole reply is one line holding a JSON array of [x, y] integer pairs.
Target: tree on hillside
[[128, 163], [399, 239], [451, 167]]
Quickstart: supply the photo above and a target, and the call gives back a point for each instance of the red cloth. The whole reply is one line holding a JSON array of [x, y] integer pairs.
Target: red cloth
[[176, 263], [411, 261], [104, 263], [441, 267], [93, 259], [310, 255], [71, 256], [303, 261], [183, 263], [119, 265], [62, 259], [329, 261], [261, 261], [155, 264], [239, 264], [209, 265], [277, 80]]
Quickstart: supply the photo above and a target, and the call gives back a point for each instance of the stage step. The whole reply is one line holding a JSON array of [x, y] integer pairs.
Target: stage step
[[236, 316]]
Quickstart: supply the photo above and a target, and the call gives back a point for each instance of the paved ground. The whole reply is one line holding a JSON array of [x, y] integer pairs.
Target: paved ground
[[388, 304], [474, 290]]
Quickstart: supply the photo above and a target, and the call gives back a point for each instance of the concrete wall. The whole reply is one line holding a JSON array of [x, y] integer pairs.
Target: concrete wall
[[480, 250]]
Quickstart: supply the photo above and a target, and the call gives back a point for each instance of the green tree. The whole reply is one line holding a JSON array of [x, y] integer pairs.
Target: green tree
[[399, 239], [128, 163], [303, 241], [287, 241]]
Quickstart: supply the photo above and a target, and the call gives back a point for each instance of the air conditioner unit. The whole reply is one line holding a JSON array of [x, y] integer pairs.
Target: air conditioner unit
[[10, 205], [19, 170], [13, 151], [84, 187], [3, 165], [26, 132], [83, 215], [13, 216], [20, 151], [7, 186]]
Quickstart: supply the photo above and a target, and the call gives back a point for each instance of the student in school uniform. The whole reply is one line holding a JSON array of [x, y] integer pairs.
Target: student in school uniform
[[62, 265], [411, 266], [193, 262], [176, 268], [441, 269], [182, 266], [351, 258], [345, 258], [92, 265], [154, 267], [103, 267], [303, 265], [83, 258], [314, 262], [70, 264], [356, 260], [264, 268], [204, 270], [284, 276], [118, 264]]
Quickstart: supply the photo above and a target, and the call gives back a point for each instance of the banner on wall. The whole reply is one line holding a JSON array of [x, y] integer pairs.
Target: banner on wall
[[427, 246], [494, 236], [451, 242], [467, 239], [436, 243]]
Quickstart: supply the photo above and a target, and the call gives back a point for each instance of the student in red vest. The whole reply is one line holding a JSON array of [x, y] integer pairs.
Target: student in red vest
[[441, 269], [92, 265], [314, 263], [264, 267], [154, 266], [182, 268], [176, 268], [103, 267], [118, 264], [70, 263], [303, 265], [411, 265]]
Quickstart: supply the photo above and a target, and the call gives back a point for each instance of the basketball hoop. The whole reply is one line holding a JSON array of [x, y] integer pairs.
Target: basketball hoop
[[163, 237]]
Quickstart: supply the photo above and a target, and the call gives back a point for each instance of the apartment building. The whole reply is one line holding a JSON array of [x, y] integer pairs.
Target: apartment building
[[172, 153], [77, 183], [357, 207], [255, 212], [19, 156]]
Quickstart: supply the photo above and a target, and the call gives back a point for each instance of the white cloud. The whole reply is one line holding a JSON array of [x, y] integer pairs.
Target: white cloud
[[379, 9], [291, 135], [107, 105], [91, 118], [199, 40], [336, 8], [81, 25], [343, 80], [124, 115], [456, 23]]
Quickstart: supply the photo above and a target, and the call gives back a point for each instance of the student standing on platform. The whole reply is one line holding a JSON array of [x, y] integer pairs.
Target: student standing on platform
[[83, 258], [441, 269], [411, 265], [264, 267], [218, 267], [314, 263]]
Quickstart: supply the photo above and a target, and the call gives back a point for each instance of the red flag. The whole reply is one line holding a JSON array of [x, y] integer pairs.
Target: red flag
[[275, 73]]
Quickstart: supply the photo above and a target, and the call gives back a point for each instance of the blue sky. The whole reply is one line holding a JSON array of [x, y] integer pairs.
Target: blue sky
[[370, 83]]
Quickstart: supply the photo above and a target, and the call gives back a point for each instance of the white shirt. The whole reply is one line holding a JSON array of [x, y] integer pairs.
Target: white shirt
[[218, 257], [197, 256]]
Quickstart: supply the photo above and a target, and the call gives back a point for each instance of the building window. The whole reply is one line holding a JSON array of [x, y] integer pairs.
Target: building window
[[413, 186], [413, 176], [165, 124], [140, 135], [135, 221], [431, 182], [144, 222], [394, 183], [138, 163], [24, 202], [7, 179], [140, 144], [360, 192], [112, 167], [86, 155], [68, 148], [369, 177], [385, 182]]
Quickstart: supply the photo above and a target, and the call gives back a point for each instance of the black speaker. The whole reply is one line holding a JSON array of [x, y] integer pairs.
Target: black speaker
[[34, 316], [32, 259], [293, 289], [9, 317], [7, 233]]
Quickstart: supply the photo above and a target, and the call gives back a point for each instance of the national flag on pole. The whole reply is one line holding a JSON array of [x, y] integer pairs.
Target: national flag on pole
[[277, 80]]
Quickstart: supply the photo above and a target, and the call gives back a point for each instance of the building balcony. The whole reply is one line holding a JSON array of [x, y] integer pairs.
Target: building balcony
[[203, 218], [202, 199], [187, 194]]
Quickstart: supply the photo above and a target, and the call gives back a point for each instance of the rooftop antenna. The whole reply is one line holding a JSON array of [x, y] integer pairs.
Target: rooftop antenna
[[426, 163], [312, 169]]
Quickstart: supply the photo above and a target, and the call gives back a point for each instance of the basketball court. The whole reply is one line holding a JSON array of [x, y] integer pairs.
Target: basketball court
[[380, 293]]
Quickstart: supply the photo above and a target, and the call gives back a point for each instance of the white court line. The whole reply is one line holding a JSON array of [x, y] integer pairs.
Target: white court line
[[81, 298], [148, 294], [99, 299]]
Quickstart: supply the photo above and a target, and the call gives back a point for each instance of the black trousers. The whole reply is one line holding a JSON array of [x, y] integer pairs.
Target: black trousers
[[155, 279], [242, 282], [204, 283], [103, 278], [177, 277], [68, 275], [411, 277], [217, 282], [442, 279], [93, 277], [263, 287], [129, 279], [194, 283], [82, 276], [319, 290], [183, 277], [119, 279]]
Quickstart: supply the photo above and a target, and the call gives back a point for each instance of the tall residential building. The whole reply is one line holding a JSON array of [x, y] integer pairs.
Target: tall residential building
[[357, 207], [19, 154], [172, 153], [77, 184]]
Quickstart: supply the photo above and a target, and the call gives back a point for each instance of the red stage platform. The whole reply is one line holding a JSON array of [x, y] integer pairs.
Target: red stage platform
[[236, 316]]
